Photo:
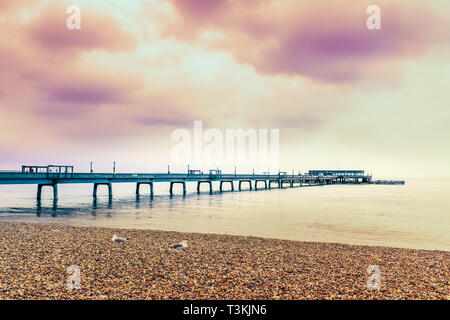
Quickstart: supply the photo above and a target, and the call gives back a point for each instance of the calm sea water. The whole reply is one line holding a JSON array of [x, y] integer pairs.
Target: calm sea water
[[416, 215]]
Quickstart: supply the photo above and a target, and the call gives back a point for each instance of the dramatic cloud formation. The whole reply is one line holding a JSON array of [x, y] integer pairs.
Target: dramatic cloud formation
[[137, 70], [323, 40], [99, 32]]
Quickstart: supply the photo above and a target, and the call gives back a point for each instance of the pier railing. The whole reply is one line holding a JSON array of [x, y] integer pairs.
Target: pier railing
[[52, 179], [132, 177]]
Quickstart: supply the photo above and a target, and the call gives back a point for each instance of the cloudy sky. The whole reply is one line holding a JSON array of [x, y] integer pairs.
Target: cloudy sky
[[342, 96]]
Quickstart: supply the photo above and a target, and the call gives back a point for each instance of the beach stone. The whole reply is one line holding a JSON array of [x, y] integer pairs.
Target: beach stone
[[34, 260]]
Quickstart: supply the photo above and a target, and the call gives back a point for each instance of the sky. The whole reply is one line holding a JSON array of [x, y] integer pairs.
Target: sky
[[342, 96]]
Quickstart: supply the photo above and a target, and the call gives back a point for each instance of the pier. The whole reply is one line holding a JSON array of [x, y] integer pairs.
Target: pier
[[53, 175], [389, 182]]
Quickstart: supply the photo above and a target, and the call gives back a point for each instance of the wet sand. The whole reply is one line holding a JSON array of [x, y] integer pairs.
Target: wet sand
[[34, 259]]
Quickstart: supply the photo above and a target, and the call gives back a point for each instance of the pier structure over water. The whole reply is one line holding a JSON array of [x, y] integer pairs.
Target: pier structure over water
[[389, 182], [52, 175]]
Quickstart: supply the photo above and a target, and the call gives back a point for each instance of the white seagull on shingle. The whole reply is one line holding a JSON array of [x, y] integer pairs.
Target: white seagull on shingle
[[182, 244], [118, 239]]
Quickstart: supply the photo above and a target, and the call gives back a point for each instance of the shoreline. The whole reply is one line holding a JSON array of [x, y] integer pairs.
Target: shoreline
[[58, 224], [34, 259]]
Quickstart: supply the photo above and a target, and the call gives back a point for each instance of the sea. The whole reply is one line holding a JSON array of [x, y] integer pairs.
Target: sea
[[415, 215]]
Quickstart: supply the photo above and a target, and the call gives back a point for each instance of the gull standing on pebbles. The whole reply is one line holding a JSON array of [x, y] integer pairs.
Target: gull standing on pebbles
[[182, 244], [118, 239]]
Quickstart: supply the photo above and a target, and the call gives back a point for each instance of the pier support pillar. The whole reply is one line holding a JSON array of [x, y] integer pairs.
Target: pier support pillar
[[240, 184], [138, 185], [55, 191], [276, 181], [256, 184], [94, 192], [230, 181], [210, 185], [173, 182]]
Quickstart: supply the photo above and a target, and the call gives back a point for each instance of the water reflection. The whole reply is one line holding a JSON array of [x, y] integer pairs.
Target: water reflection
[[95, 203], [138, 200], [52, 210]]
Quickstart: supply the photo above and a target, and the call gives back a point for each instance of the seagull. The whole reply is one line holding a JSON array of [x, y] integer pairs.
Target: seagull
[[118, 239], [182, 244]]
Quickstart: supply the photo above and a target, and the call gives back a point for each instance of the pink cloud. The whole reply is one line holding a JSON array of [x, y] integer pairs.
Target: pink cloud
[[105, 86], [318, 40], [42, 69], [86, 87], [202, 9], [7, 6], [98, 31], [46, 85], [164, 121]]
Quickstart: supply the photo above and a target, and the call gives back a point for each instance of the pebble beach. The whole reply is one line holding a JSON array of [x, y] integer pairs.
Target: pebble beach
[[34, 259]]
